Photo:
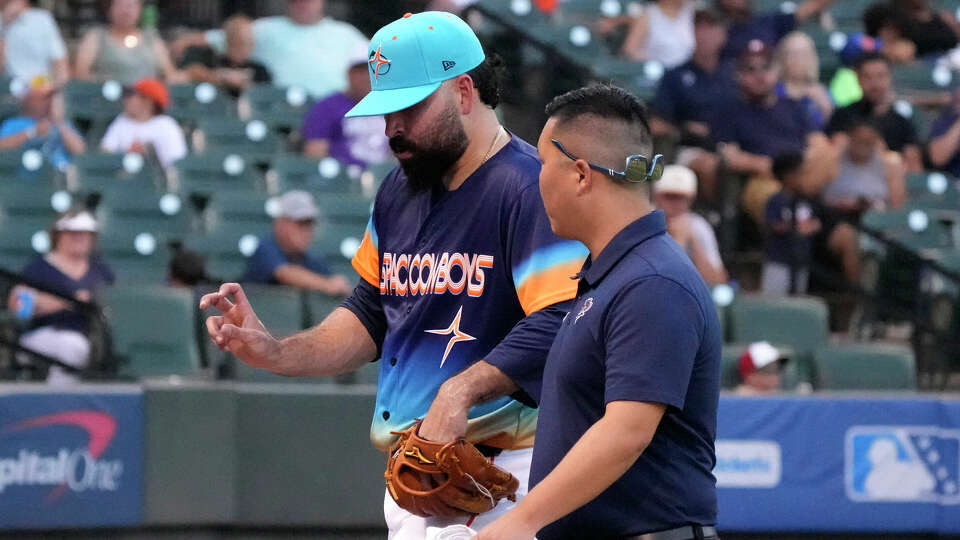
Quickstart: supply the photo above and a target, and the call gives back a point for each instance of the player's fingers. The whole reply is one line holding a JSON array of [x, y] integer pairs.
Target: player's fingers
[[216, 300], [239, 297], [213, 328]]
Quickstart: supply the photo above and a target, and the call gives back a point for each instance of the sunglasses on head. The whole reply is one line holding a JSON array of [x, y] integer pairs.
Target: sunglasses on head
[[639, 168]]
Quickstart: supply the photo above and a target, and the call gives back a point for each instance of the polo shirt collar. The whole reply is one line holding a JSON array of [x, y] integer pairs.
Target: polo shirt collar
[[631, 236]]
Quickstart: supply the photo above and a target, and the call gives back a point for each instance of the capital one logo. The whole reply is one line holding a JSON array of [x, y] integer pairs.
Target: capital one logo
[[744, 463], [73, 469], [902, 464]]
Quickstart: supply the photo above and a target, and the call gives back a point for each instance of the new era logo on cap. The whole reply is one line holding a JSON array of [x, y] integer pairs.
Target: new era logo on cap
[[447, 64]]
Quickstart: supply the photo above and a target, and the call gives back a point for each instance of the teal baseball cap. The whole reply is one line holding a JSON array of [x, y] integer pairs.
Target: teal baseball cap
[[409, 58]]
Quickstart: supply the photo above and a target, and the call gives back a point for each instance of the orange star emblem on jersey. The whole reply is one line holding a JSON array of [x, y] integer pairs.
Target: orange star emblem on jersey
[[456, 335], [377, 60]]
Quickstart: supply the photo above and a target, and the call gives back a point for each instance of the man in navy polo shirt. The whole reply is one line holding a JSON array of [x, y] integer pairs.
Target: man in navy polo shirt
[[629, 392]]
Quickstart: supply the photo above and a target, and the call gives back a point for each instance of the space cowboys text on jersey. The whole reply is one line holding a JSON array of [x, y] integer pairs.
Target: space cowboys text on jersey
[[433, 273]]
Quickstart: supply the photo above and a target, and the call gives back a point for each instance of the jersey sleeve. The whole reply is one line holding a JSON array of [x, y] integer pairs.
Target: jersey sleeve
[[367, 259], [541, 263]]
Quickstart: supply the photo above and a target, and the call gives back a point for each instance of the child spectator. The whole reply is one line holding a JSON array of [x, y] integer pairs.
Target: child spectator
[[798, 66], [143, 124], [790, 225], [760, 367]]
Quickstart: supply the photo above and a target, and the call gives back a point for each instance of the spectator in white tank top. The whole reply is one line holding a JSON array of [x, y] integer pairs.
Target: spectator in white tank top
[[662, 32]]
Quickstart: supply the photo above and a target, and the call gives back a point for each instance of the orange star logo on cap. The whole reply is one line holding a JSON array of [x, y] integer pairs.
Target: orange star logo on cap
[[377, 61]]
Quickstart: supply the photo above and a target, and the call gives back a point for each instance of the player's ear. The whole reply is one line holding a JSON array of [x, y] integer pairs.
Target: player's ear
[[463, 86]]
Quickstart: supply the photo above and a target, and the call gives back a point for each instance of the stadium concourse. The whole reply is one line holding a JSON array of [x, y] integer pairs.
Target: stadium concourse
[[815, 151]]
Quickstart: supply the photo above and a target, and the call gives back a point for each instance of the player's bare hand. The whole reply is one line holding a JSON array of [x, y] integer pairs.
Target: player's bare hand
[[238, 330], [446, 420]]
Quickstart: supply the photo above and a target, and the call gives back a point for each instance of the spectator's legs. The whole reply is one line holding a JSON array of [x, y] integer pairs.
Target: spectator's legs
[[843, 243], [70, 347]]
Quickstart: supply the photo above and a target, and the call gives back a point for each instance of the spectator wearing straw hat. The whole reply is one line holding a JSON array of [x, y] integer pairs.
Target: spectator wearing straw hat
[[142, 124], [674, 193], [283, 257], [42, 125]]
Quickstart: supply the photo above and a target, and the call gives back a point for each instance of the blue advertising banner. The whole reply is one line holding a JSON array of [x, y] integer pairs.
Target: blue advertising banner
[[71, 459], [831, 463]]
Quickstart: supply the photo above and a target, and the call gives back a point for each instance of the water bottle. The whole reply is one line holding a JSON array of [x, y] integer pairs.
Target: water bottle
[[148, 17], [24, 305]]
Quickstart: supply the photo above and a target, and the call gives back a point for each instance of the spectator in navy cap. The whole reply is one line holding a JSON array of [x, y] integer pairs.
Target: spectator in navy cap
[[745, 25]]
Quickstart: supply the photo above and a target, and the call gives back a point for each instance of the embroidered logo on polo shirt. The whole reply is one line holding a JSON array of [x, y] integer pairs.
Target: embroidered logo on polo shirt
[[583, 311]]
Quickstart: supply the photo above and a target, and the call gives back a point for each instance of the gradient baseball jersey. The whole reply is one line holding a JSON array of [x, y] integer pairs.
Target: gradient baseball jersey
[[456, 271]]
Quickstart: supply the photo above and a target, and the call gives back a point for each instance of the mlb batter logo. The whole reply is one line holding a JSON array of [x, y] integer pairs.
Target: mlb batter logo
[[903, 464]]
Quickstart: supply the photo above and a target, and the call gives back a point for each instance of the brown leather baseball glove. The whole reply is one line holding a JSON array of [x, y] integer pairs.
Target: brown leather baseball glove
[[435, 479]]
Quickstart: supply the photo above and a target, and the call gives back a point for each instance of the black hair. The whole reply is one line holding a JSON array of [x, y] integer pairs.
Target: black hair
[[863, 121], [708, 16], [867, 57], [787, 164], [488, 79], [188, 267], [878, 16], [603, 100]]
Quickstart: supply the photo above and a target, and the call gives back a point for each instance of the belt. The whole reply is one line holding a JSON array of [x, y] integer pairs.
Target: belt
[[687, 532]]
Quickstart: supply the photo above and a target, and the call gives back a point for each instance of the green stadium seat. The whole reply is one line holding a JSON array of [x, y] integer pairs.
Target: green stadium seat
[[136, 256], [800, 323], [240, 209], [17, 240], [345, 209], [153, 330], [280, 108], [252, 139], [19, 201], [214, 171], [99, 172], [226, 249], [848, 14], [863, 366], [138, 208], [921, 76], [320, 305], [92, 102], [282, 311], [26, 167], [9, 104], [293, 171], [190, 103]]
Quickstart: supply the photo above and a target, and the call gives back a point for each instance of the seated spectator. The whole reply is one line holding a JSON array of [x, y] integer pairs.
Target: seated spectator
[[358, 140], [690, 95], [187, 269], [42, 125], [760, 367], [933, 32], [662, 32], [71, 268], [791, 223], [883, 23], [876, 82], [870, 177], [758, 126], [302, 48], [944, 145], [283, 257], [746, 26], [31, 44], [142, 126], [674, 193], [123, 52], [798, 67], [234, 70]]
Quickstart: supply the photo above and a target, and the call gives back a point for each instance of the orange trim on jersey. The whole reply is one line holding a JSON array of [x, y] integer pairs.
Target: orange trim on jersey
[[367, 261], [549, 287]]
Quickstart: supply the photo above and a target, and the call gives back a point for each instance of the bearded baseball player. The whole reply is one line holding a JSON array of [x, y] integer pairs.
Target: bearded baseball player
[[459, 269]]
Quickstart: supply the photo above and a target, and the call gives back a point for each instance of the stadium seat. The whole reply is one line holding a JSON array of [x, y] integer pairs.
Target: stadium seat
[[921, 76], [320, 305], [239, 210], [17, 241], [227, 249], [98, 172], [801, 323], [27, 167], [136, 256], [190, 103], [863, 366], [280, 108], [9, 104], [37, 201], [345, 209], [848, 14], [93, 102], [153, 330], [251, 139], [210, 172], [293, 171], [282, 311]]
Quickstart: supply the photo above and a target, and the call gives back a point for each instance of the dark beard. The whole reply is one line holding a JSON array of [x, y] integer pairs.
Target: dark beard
[[431, 159]]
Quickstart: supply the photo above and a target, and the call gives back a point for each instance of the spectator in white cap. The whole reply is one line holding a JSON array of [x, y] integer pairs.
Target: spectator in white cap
[[70, 268], [283, 259], [674, 193], [760, 367]]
